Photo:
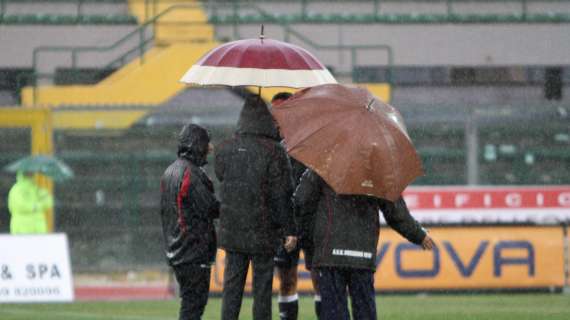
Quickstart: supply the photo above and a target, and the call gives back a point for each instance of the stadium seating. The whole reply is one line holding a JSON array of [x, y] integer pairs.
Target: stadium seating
[[51, 19], [64, 12], [150, 79], [119, 155], [352, 18]]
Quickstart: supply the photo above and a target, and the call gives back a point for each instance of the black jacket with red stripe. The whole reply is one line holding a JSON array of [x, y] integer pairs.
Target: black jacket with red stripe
[[256, 185], [188, 207], [347, 227]]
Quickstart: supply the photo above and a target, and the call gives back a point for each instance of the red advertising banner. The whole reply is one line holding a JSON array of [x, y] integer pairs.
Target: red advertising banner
[[457, 204], [465, 258]]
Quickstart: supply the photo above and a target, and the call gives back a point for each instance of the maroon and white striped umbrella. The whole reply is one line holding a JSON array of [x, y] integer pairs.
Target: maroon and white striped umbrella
[[258, 62]]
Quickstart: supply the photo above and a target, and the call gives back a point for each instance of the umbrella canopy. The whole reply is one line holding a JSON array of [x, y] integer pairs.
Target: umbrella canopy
[[354, 141], [258, 62], [46, 165]]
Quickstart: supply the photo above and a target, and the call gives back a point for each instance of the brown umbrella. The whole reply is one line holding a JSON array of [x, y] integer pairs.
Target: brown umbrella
[[354, 141]]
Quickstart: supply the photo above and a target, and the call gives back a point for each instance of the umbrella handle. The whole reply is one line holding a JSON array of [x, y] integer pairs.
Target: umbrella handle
[[369, 106]]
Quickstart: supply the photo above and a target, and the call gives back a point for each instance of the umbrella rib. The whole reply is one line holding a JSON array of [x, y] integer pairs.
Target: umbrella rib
[[347, 171], [391, 144]]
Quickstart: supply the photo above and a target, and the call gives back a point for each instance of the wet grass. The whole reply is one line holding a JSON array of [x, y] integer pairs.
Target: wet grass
[[409, 307]]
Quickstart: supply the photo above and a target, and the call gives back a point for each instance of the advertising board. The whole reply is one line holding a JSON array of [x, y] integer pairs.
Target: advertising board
[[35, 268], [492, 205], [465, 258]]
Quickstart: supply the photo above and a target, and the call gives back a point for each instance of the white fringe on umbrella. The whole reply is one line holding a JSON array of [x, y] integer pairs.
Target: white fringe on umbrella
[[229, 76]]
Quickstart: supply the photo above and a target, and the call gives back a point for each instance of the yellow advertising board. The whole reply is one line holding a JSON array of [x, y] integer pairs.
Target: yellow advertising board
[[216, 282], [465, 258], [567, 245], [474, 258]]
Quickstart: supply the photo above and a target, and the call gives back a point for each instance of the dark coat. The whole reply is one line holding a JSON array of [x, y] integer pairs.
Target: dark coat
[[256, 184], [347, 226], [188, 204], [305, 222]]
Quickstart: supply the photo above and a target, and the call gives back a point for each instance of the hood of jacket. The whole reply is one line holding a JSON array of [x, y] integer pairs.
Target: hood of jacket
[[23, 179], [256, 119], [193, 142]]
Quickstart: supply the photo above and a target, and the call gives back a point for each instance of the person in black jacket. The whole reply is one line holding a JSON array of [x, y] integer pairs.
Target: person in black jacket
[[287, 262], [187, 209], [346, 236], [256, 211]]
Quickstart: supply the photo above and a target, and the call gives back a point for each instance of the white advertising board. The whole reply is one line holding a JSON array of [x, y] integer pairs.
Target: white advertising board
[[35, 268]]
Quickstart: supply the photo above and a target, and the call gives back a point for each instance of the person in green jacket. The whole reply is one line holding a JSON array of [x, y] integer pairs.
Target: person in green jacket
[[27, 203]]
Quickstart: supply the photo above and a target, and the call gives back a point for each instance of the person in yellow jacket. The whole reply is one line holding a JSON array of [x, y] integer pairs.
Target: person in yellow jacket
[[27, 203]]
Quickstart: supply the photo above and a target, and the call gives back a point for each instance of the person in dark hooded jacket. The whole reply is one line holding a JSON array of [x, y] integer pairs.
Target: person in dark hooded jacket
[[346, 231], [256, 211], [187, 209], [287, 262]]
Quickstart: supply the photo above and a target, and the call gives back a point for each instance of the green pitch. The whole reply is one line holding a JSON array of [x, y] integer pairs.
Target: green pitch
[[465, 307]]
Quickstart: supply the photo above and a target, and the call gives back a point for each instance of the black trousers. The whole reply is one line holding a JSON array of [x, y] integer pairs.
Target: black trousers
[[334, 282], [235, 274], [194, 281]]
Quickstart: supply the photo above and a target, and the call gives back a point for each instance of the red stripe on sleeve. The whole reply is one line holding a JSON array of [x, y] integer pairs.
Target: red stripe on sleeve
[[183, 193]]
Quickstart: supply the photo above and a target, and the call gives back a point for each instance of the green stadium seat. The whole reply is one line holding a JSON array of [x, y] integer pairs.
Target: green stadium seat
[[93, 19], [315, 17], [221, 19], [365, 18], [404, 18], [215, 19], [62, 19], [291, 18], [423, 18], [55, 19], [336, 17], [255, 18], [549, 17]]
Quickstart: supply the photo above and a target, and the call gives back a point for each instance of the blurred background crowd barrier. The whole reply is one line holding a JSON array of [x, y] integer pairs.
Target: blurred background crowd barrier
[[482, 85], [110, 208]]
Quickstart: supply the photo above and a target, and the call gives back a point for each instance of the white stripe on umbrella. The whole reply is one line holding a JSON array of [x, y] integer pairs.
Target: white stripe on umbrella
[[230, 76]]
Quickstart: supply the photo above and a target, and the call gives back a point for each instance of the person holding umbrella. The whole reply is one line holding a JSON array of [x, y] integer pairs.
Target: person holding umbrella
[[346, 236], [28, 203], [287, 262], [253, 168], [361, 160], [256, 211]]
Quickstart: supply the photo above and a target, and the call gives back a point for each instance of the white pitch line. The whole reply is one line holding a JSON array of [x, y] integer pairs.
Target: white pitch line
[[79, 315]]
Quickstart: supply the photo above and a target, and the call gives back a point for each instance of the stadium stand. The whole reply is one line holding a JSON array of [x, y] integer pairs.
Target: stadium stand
[[116, 111], [65, 12], [399, 12]]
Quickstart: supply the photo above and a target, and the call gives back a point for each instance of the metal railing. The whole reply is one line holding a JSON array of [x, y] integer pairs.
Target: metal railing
[[140, 33], [144, 41]]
